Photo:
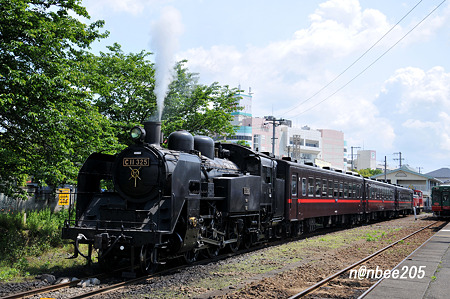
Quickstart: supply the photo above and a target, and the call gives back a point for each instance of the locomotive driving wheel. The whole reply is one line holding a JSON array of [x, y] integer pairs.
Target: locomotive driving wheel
[[191, 256], [212, 251], [233, 233], [147, 259]]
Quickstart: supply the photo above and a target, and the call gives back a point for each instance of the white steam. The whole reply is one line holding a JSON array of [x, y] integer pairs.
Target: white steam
[[164, 42]]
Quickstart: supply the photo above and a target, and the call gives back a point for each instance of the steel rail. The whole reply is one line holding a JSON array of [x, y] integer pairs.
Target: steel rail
[[382, 278], [46, 289], [329, 278], [128, 282], [29, 293]]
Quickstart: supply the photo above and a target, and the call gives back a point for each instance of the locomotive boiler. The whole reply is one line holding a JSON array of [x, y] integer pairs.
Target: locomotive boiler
[[169, 202]]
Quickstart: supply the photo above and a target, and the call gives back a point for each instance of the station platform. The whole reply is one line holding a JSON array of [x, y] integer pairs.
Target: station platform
[[434, 257]]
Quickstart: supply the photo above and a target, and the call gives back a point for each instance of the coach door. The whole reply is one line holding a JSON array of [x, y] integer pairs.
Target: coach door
[[445, 200], [292, 201]]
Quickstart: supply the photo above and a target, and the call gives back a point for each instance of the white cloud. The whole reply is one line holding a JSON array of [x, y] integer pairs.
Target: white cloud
[[134, 7], [421, 103], [424, 90], [286, 72], [430, 26]]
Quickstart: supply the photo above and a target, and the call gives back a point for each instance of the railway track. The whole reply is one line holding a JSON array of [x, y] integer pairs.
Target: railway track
[[330, 278], [42, 290], [56, 287], [50, 291], [105, 289]]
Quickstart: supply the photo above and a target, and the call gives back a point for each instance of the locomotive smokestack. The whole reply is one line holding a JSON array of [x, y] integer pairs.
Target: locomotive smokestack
[[153, 132]]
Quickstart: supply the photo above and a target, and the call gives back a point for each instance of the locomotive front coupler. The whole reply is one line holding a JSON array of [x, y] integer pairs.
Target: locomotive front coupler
[[77, 251], [104, 241]]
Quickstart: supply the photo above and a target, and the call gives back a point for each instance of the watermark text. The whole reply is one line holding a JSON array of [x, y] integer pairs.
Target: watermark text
[[405, 272]]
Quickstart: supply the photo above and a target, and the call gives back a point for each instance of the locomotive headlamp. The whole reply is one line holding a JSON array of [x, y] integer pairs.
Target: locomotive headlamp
[[137, 134]]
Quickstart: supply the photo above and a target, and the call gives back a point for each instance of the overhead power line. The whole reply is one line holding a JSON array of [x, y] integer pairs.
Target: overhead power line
[[354, 62], [375, 61]]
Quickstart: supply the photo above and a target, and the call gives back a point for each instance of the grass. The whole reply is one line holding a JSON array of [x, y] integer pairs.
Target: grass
[[31, 244], [277, 257]]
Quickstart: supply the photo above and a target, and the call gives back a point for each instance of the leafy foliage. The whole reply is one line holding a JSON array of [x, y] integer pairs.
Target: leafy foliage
[[47, 122], [18, 239], [123, 86], [199, 109], [59, 103], [369, 172]]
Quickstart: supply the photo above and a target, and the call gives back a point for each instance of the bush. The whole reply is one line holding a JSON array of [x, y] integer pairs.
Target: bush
[[41, 232]]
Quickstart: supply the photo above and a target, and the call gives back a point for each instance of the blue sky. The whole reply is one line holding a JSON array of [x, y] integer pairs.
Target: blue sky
[[287, 51]]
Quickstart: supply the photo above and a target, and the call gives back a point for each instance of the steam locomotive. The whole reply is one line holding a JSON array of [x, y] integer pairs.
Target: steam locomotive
[[197, 196]]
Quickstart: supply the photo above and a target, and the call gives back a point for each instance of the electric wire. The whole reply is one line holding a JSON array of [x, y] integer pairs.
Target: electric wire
[[354, 62], [370, 65]]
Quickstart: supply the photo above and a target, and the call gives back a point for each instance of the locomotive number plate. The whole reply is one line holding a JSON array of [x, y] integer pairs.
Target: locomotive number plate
[[137, 162]]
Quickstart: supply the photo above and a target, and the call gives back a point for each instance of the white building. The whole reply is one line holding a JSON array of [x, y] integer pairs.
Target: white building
[[332, 150], [365, 159], [302, 144]]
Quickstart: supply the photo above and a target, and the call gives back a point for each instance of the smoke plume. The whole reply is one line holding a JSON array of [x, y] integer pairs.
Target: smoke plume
[[164, 42]]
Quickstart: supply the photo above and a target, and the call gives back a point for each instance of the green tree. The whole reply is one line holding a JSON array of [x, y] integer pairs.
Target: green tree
[[199, 109], [369, 172], [123, 85], [48, 125], [243, 143]]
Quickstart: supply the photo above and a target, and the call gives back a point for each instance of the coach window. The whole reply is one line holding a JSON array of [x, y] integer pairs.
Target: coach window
[[345, 190], [294, 185], [324, 187], [310, 186], [336, 189], [341, 189], [304, 186], [318, 187], [330, 188]]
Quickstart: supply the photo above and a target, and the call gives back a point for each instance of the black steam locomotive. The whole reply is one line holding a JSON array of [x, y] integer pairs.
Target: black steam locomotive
[[197, 196]]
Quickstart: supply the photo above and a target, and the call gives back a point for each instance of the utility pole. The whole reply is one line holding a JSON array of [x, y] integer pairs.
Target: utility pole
[[296, 143], [352, 153], [400, 158], [275, 123], [385, 166], [419, 168]]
